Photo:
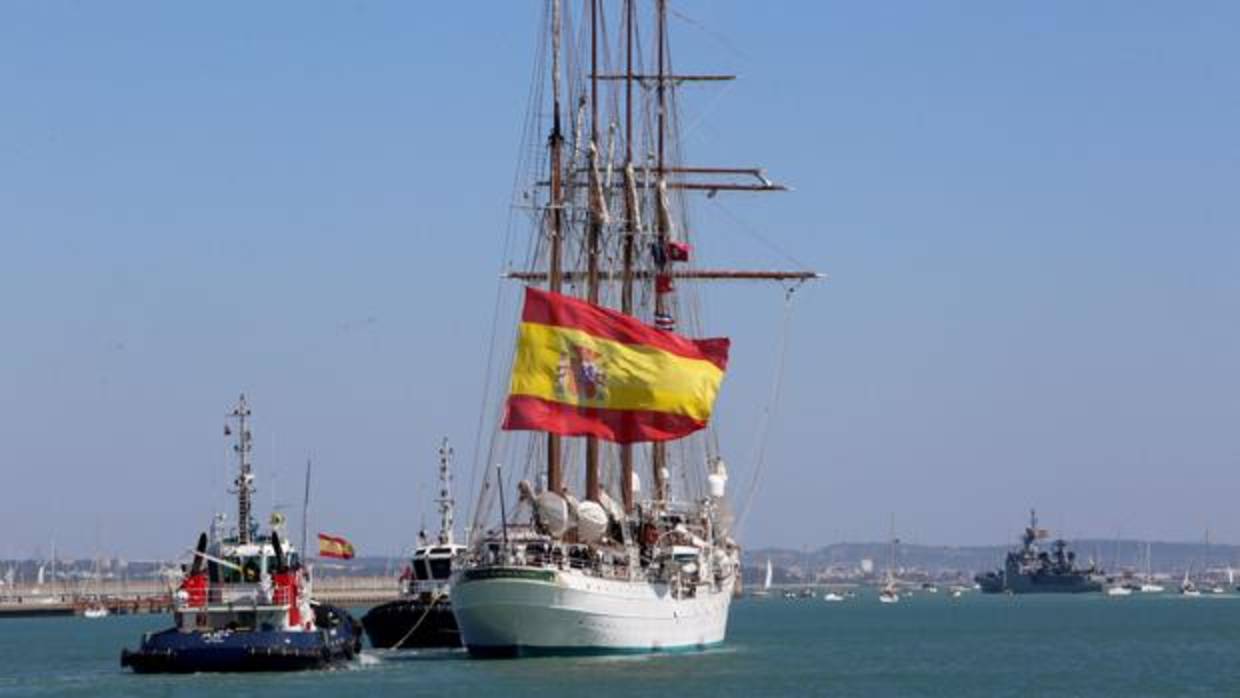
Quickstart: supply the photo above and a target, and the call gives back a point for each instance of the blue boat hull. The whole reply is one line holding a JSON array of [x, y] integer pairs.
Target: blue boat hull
[[171, 651]]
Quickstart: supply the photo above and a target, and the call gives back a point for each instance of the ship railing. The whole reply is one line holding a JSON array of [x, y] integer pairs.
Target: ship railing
[[236, 594], [281, 596]]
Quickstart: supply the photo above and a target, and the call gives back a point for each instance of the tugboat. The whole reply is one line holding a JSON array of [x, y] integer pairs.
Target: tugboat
[[422, 617], [245, 602], [1034, 571]]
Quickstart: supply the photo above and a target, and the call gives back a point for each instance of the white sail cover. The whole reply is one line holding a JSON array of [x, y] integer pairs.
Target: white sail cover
[[552, 512], [591, 522]]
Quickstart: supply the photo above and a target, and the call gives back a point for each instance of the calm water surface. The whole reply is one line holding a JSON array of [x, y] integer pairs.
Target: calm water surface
[[925, 646]]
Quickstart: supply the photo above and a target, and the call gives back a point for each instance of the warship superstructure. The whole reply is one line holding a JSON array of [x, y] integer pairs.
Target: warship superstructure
[[1031, 570]]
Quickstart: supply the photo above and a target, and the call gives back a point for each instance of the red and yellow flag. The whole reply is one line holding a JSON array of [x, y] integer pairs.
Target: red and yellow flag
[[335, 546], [583, 370]]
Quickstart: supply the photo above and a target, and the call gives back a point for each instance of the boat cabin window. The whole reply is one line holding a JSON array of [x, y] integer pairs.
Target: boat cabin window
[[252, 570], [227, 574], [441, 568], [420, 572]]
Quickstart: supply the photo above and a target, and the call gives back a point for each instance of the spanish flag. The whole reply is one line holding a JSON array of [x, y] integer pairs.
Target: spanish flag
[[583, 370], [334, 546]]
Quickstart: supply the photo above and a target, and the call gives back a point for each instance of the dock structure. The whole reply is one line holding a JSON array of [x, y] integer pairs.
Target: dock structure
[[153, 597]]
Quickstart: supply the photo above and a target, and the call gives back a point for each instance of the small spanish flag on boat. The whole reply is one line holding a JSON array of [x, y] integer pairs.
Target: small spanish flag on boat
[[584, 370], [335, 546]]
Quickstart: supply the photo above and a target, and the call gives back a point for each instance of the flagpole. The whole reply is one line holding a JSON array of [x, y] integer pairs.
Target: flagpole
[[305, 509], [503, 513]]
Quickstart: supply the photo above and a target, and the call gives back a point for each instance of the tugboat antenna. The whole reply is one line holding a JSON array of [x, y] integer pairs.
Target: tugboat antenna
[[245, 476], [305, 509], [446, 503]]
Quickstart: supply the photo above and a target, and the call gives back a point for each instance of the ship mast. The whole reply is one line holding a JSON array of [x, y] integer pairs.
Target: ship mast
[[631, 209], [656, 269], [244, 483], [556, 210], [594, 232], [445, 501], [662, 313]]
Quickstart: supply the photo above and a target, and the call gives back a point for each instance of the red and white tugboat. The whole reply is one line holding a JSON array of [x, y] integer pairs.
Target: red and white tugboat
[[245, 602]]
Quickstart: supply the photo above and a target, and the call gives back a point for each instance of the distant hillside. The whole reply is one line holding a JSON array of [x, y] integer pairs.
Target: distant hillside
[[945, 560]]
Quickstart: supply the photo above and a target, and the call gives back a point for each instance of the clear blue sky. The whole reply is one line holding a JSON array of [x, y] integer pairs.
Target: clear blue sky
[[1028, 211]]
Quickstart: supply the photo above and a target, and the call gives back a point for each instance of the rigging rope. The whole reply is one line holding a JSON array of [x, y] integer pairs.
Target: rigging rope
[[760, 443], [430, 606]]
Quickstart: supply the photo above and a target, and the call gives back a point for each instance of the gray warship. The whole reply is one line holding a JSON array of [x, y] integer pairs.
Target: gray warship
[[1031, 570]]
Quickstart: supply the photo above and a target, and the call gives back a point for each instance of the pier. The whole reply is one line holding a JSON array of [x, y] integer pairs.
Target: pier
[[128, 598]]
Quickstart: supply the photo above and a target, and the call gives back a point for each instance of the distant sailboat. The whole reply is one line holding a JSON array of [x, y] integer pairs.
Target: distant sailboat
[[766, 582], [890, 592], [95, 607], [1148, 585], [1205, 564], [1187, 588]]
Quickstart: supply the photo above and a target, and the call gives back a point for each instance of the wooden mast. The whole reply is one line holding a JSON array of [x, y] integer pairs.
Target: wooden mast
[[630, 225], [555, 145], [668, 177], [594, 232], [659, 449]]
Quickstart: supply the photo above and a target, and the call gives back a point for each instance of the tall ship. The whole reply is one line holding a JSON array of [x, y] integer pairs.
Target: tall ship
[[245, 601], [568, 552], [1031, 570], [422, 616]]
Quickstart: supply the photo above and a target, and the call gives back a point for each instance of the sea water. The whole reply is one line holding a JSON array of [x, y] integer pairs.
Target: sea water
[[927, 645]]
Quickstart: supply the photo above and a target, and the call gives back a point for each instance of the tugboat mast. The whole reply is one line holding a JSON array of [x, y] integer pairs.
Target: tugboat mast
[[446, 503], [245, 477]]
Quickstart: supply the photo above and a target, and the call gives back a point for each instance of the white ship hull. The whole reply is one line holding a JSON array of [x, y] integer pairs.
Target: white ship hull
[[514, 611]]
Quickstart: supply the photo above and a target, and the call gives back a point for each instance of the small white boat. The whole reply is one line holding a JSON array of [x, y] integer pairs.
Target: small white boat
[[956, 593], [1148, 585], [888, 596], [95, 611], [1119, 591], [831, 596]]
